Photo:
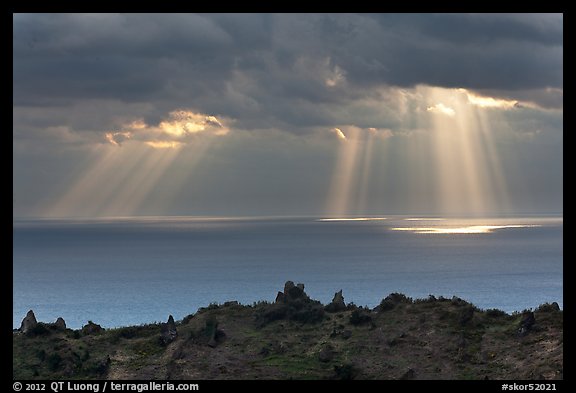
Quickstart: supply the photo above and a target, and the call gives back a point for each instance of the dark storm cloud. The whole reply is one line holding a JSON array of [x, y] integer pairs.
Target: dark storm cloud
[[455, 50], [283, 71], [130, 57], [480, 28]]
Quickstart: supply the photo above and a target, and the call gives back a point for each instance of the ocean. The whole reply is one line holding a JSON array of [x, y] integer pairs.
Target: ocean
[[131, 271]]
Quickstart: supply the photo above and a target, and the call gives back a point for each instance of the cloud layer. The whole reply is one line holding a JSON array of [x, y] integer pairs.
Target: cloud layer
[[288, 71]]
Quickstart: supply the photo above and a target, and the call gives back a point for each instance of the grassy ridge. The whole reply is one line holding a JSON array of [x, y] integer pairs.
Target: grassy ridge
[[298, 339]]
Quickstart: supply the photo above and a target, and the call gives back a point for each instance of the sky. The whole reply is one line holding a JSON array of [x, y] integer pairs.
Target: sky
[[287, 114]]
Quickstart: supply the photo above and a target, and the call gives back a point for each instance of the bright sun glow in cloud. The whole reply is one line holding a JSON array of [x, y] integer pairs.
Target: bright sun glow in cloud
[[182, 123], [488, 102], [179, 128], [338, 133], [441, 109], [116, 138]]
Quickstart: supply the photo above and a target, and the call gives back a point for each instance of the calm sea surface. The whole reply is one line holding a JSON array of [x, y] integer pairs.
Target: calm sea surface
[[130, 271]]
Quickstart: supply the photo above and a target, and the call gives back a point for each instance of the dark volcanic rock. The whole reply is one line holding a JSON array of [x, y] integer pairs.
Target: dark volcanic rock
[[168, 332], [457, 301], [291, 293], [60, 324], [294, 292], [29, 322], [337, 304], [548, 307], [288, 286], [280, 298], [293, 304]]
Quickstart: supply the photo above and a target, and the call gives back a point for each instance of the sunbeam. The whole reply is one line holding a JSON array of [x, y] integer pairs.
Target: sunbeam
[[365, 172], [351, 179], [141, 181], [456, 168], [128, 169], [343, 179], [470, 179]]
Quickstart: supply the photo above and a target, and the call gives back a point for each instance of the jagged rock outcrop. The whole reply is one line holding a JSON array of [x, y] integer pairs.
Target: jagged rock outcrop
[[280, 298], [548, 307], [60, 324], [168, 332], [294, 292], [292, 304], [291, 292], [29, 322], [337, 304], [91, 328], [458, 301]]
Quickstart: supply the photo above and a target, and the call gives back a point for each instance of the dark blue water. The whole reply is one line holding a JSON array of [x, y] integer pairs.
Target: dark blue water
[[131, 271]]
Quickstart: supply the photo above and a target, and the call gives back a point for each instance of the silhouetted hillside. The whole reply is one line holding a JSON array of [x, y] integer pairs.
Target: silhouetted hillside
[[299, 338]]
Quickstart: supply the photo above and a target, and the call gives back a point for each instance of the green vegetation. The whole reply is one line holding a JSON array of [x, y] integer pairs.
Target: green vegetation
[[294, 338]]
